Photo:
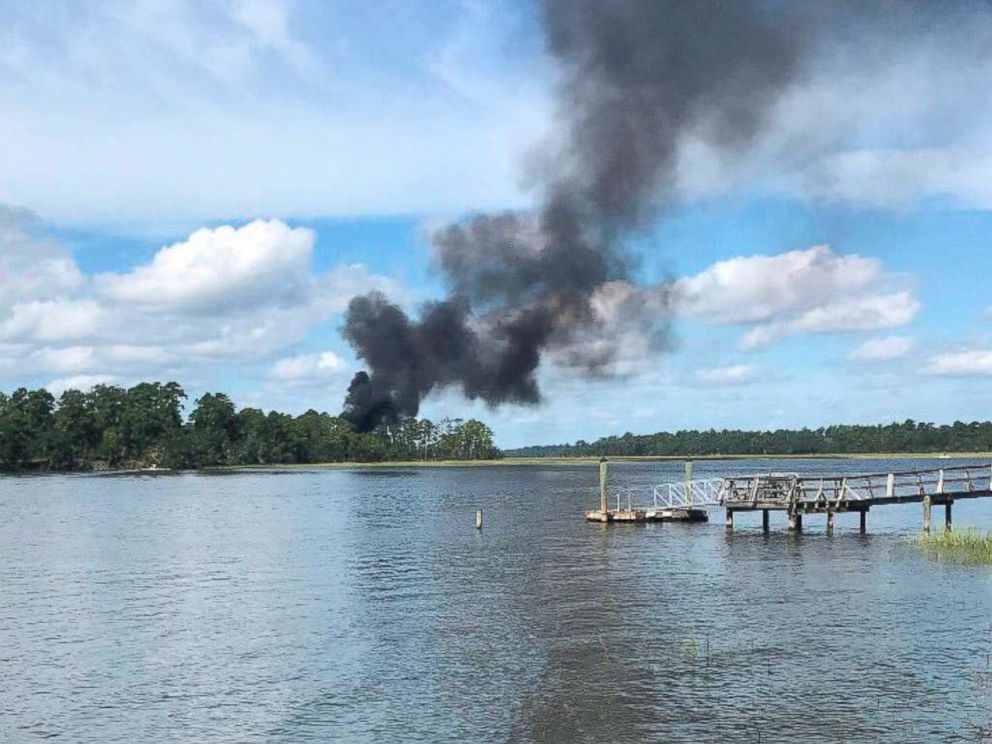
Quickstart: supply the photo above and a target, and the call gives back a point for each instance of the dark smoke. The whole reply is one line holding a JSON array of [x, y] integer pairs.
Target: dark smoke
[[637, 77]]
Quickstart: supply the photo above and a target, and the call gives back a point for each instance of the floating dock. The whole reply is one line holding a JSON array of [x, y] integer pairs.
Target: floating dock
[[632, 514], [648, 515]]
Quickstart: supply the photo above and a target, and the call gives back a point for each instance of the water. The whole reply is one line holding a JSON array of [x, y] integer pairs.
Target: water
[[363, 606]]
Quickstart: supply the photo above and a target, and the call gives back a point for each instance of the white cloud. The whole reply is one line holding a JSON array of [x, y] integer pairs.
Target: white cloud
[[805, 291], [68, 359], [882, 349], [759, 288], [961, 363], [268, 23], [52, 320], [335, 289], [430, 116], [735, 374], [855, 314], [78, 382], [308, 368], [882, 125], [897, 178], [40, 286], [224, 295], [221, 270], [196, 111], [31, 268]]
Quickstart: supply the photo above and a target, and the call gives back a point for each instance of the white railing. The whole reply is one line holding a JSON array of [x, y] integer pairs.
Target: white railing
[[694, 493], [876, 487]]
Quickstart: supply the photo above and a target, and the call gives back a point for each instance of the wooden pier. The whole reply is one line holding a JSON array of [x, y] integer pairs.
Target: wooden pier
[[800, 496], [831, 495]]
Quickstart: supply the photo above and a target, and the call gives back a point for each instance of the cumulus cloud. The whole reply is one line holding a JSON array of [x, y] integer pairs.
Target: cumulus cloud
[[220, 270], [223, 295], [804, 291], [52, 320], [976, 362], [308, 367], [40, 286], [882, 349], [31, 268]]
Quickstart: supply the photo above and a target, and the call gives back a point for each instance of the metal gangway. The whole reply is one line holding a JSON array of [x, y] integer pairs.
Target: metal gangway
[[699, 493]]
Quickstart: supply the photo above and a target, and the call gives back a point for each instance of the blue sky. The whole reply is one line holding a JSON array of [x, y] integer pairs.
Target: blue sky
[[195, 190]]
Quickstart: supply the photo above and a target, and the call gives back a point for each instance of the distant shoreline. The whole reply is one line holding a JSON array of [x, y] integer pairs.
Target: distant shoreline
[[506, 462], [594, 460]]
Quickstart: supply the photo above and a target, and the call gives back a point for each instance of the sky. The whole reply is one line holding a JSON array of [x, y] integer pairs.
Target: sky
[[195, 191]]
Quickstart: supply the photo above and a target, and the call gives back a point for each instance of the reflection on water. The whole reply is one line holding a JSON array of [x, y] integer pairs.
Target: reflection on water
[[364, 606]]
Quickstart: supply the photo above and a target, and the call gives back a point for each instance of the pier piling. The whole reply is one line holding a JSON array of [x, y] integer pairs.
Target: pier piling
[[926, 514], [478, 519], [864, 521], [764, 521], [830, 522], [947, 515], [795, 521], [730, 520], [603, 505]]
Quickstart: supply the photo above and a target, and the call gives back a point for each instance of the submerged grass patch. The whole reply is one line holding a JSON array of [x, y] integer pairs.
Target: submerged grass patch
[[963, 546]]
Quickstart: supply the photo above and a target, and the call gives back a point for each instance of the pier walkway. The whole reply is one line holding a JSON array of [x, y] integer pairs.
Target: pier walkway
[[799, 495]]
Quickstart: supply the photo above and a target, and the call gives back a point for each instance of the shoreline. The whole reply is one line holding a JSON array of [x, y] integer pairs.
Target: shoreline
[[581, 461], [594, 460]]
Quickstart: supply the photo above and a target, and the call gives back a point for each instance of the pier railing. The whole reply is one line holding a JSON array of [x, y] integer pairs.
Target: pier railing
[[956, 481], [693, 493]]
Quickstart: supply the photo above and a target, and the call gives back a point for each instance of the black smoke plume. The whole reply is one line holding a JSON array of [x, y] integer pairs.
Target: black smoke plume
[[637, 77]]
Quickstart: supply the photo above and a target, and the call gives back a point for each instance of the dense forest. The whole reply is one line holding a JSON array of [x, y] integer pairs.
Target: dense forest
[[909, 436], [143, 426]]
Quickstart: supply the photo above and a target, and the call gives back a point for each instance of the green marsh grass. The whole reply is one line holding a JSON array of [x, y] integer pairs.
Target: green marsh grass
[[960, 546]]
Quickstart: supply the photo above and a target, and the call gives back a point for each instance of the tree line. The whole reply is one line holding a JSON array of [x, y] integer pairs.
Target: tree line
[[908, 436], [111, 427]]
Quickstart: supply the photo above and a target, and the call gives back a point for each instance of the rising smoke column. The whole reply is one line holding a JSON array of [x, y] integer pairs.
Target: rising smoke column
[[637, 77]]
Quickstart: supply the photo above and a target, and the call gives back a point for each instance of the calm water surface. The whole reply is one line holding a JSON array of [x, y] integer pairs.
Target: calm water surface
[[362, 606]]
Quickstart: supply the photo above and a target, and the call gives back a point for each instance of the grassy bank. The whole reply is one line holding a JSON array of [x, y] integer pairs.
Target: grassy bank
[[591, 460], [960, 546]]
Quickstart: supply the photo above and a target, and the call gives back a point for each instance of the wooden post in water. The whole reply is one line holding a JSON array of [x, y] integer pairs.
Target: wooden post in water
[[890, 486], [603, 505], [926, 514], [764, 521], [478, 519], [864, 521], [830, 521], [730, 520], [795, 521], [688, 482], [947, 505]]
